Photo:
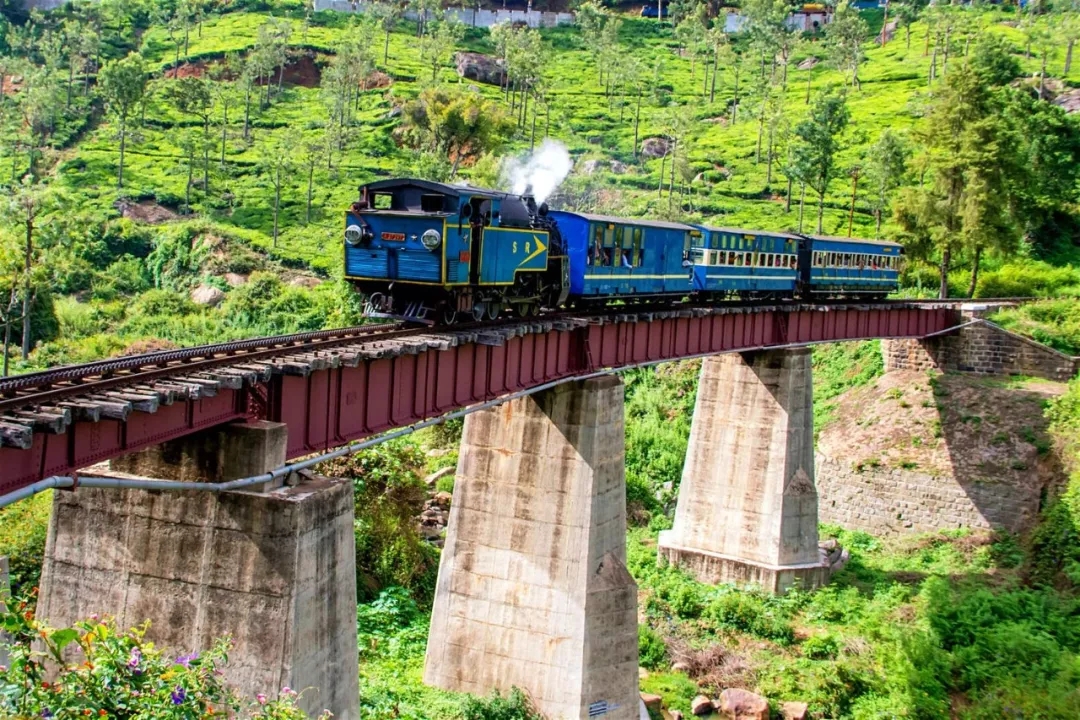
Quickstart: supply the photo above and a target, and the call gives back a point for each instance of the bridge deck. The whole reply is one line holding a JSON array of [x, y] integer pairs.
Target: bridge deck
[[340, 386]]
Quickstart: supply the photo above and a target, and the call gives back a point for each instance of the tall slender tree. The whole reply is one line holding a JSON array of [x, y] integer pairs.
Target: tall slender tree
[[818, 143], [123, 85]]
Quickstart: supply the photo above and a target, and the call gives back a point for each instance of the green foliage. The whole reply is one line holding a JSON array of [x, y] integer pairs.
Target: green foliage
[[391, 626], [389, 496], [839, 367], [23, 529], [123, 676], [1053, 322], [652, 652], [515, 706], [1032, 279]]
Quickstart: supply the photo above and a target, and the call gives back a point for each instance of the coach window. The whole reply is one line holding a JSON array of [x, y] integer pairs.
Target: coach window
[[608, 255], [636, 251]]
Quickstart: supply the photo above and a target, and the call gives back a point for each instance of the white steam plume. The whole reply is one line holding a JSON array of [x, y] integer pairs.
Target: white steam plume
[[540, 173]]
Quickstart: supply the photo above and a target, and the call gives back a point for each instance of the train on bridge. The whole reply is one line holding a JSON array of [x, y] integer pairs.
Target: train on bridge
[[436, 253]]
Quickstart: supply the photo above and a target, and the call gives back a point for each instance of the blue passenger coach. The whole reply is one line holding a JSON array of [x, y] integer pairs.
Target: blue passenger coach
[[620, 256], [838, 267], [745, 262]]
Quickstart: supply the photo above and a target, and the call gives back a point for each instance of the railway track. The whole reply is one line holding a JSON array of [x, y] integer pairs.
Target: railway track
[[50, 400]]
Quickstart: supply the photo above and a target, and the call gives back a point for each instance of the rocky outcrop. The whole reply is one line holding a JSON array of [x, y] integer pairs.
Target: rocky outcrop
[[435, 518], [655, 147], [794, 711], [207, 295], [481, 68], [739, 704], [701, 705]]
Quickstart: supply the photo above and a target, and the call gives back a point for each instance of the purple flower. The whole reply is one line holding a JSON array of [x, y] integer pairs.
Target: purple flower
[[136, 657], [178, 695], [186, 660], [46, 713]]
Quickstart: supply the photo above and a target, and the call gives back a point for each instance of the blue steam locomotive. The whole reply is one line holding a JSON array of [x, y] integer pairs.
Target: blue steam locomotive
[[432, 252]]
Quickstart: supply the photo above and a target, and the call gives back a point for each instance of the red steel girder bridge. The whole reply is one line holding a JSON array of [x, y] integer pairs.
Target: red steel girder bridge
[[334, 387]]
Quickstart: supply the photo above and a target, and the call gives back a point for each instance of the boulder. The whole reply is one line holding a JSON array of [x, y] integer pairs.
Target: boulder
[[739, 704], [207, 295], [479, 67], [394, 112], [676, 715], [442, 499], [1069, 101], [837, 566], [590, 166], [655, 147], [680, 667], [654, 703], [701, 705], [235, 279], [794, 711], [829, 544], [808, 63], [618, 168], [434, 477], [305, 281]]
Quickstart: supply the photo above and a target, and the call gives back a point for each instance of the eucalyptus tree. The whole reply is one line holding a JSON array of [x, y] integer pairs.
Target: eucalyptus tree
[[276, 163], [845, 36], [437, 44], [123, 85], [885, 167], [193, 96], [387, 13], [818, 144]]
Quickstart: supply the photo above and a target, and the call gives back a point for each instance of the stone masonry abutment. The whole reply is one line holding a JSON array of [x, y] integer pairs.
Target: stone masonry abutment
[[275, 570], [533, 589], [747, 509]]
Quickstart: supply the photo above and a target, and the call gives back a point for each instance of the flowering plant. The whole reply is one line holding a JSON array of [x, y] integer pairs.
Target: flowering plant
[[94, 670]]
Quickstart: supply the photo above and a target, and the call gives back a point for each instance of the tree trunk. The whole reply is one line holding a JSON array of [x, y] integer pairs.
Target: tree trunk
[[190, 177], [532, 139], [386, 48], [206, 155], [123, 139], [71, 81], [926, 46], [787, 196], [809, 77], [277, 203], [224, 133], [975, 271], [671, 180], [310, 178], [187, 34], [851, 212], [663, 165], [945, 52], [802, 204], [946, 261], [1068, 56], [907, 31], [933, 65], [247, 112], [877, 223], [27, 256], [760, 132], [7, 338], [1042, 74], [637, 121], [715, 72], [884, 24], [820, 209], [735, 101]]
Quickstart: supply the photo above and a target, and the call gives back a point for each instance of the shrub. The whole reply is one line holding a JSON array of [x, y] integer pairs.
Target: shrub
[[1030, 279], [121, 676], [515, 706], [1053, 322], [23, 529], [652, 652], [749, 612]]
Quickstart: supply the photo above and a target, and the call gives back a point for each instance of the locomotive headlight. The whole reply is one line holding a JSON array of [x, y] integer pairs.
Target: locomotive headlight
[[353, 235], [431, 239]]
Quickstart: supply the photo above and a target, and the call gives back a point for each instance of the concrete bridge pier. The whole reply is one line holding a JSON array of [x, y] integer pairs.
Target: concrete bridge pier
[[747, 508], [533, 589], [273, 569]]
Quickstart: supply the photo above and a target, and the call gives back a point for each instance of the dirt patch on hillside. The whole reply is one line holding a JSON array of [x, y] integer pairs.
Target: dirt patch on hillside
[[950, 425], [195, 69], [145, 212], [302, 71], [376, 80]]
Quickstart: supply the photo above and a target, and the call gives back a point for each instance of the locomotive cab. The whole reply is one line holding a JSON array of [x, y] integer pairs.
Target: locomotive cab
[[420, 248]]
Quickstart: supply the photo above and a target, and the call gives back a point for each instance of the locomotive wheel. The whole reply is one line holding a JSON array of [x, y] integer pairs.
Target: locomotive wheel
[[449, 316], [493, 310], [523, 309], [478, 311]]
